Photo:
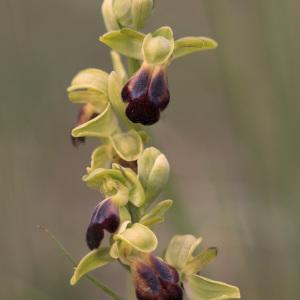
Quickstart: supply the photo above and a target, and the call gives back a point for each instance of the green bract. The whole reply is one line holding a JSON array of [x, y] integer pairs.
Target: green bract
[[153, 171], [93, 260]]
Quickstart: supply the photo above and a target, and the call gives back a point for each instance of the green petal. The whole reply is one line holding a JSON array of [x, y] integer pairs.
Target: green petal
[[201, 288], [141, 11], [158, 46], [90, 86], [139, 237], [101, 158], [180, 250], [126, 41], [189, 45], [128, 145], [109, 17], [198, 262], [93, 260], [156, 215], [153, 171], [103, 125]]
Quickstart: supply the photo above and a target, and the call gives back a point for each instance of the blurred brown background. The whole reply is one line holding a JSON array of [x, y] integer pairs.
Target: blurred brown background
[[231, 134]]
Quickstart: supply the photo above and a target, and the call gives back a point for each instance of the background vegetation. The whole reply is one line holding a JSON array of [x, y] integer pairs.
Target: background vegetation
[[231, 134]]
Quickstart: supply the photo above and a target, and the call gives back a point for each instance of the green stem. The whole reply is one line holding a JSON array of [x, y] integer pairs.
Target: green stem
[[133, 65], [91, 278]]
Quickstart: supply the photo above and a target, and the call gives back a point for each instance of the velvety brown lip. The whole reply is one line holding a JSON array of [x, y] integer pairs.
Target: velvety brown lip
[[147, 94], [105, 217], [156, 280]]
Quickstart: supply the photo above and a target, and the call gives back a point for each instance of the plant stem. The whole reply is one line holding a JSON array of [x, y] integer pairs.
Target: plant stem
[[91, 278], [133, 66]]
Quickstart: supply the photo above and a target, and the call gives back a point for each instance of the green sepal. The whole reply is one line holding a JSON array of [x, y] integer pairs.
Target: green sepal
[[189, 45], [109, 17], [139, 237], [103, 125], [158, 46], [153, 172], [107, 181], [90, 86], [197, 263], [93, 260], [140, 11], [180, 250], [128, 145], [156, 214], [127, 41], [101, 158], [198, 287]]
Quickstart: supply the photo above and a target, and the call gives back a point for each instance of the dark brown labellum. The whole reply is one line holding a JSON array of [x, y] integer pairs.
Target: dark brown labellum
[[104, 217], [156, 280], [147, 94], [143, 112]]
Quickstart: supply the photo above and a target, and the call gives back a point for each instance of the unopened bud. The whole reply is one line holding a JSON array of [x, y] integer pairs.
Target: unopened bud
[[132, 13]]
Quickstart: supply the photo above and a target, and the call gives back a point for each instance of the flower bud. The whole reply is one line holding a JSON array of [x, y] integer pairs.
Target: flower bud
[[105, 216], [147, 94], [86, 113], [155, 280], [132, 13]]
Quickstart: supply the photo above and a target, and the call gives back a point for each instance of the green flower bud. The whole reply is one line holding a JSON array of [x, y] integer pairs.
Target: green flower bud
[[132, 13], [153, 172], [109, 16]]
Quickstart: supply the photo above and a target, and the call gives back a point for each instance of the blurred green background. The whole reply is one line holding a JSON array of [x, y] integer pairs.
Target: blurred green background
[[231, 134]]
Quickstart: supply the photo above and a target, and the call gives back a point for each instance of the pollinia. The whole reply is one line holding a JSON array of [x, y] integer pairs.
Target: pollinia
[[126, 169]]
